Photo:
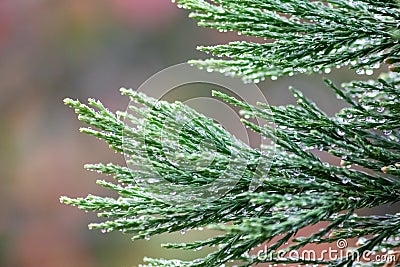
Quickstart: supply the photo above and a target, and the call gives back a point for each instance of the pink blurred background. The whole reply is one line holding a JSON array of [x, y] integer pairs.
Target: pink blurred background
[[50, 50]]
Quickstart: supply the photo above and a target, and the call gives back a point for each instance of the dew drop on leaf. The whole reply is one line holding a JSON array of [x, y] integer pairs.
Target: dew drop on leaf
[[387, 132], [380, 109], [345, 180], [340, 133], [369, 72]]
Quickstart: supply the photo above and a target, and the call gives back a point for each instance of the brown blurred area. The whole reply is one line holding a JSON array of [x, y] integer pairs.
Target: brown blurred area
[[50, 50]]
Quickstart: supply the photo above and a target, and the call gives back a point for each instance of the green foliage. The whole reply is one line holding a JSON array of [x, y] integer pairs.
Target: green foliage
[[295, 187], [308, 36]]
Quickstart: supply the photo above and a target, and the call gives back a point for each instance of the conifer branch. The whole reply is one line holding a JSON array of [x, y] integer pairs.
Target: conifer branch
[[301, 36], [299, 189], [296, 188]]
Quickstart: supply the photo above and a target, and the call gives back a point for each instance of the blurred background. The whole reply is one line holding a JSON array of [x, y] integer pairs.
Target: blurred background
[[50, 50]]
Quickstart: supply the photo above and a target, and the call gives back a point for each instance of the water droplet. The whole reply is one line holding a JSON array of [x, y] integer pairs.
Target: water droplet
[[361, 241], [349, 115], [387, 132], [316, 68], [258, 209], [274, 78], [157, 105], [369, 119], [340, 133], [360, 71], [153, 181], [345, 180], [327, 70], [147, 237], [369, 72], [183, 231], [372, 93], [380, 109]]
